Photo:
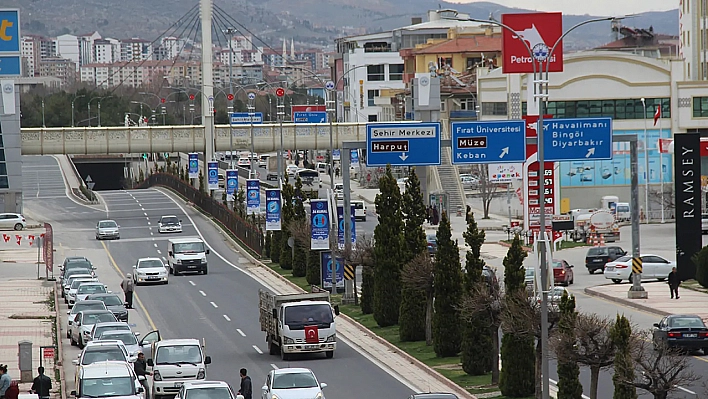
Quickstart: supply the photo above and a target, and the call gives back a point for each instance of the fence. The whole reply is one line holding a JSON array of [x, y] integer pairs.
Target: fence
[[249, 234]]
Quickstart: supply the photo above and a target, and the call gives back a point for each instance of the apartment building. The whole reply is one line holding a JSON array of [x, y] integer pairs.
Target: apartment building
[[62, 68]]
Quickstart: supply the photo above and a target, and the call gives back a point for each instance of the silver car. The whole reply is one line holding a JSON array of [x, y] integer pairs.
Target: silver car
[[150, 270], [128, 338], [107, 229]]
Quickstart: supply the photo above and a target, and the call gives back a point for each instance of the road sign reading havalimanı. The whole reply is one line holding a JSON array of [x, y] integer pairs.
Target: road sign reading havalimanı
[[577, 139]]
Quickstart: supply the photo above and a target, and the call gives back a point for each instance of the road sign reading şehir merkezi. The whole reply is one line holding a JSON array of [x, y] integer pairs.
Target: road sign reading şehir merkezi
[[403, 144], [488, 142], [577, 139]]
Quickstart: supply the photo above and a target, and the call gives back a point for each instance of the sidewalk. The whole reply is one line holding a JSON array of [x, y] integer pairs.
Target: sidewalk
[[659, 302]]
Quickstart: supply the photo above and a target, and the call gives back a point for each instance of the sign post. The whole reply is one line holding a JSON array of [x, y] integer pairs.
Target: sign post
[[10, 52]]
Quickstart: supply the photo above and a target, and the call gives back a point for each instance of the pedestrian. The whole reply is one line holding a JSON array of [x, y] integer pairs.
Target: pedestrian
[[13, 392], [128, 286], [4, 380], [246, 387], [468, 214], [429, 214], [436, 216], [42, 384], [140, 367], [337, 172], [674, 283]]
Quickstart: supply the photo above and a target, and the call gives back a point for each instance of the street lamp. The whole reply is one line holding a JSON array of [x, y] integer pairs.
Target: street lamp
[[646, 163], [44, 125], [99, 109], [72, 108], [89, 109]]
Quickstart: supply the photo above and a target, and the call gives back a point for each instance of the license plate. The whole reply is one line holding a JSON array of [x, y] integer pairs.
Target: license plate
[[178, 384], [597, 260], [610, 268], [690, 335], [192, 267], [153, 278], [311, 347]]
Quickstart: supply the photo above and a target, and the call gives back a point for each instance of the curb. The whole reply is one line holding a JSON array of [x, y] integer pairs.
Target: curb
[[627, 302], [506, 244], [60, 346]]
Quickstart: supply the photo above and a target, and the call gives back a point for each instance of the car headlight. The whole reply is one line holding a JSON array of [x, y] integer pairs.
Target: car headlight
[[204, 259], [274, 396], [201, 374], [287, 341], [332, 338], [156, 375], [319, 395]]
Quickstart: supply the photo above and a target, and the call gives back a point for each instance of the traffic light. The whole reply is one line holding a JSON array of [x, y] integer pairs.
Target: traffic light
[[145, 156]]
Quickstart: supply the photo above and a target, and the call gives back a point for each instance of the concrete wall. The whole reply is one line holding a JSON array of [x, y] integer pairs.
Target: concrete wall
[[11, 197]]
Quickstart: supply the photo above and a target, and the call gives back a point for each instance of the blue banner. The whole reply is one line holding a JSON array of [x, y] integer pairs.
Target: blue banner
[[340, 228], [319, 224], [253, 196], [213, 175], [336, 155], [330, 271], [273, 209], [354, 158], [193, 165], [231, 182]]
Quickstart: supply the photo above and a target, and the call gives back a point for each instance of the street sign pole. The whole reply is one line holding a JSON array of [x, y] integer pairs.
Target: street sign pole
[[330, 111], [636, 291], [281, 115]]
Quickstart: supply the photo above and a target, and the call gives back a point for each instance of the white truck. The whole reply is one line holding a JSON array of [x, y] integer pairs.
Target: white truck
[[298, 323], [601, 222]]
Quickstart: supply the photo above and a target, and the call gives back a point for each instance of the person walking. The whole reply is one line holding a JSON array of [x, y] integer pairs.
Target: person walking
[[128, 286], [246, 386], [674, 283], [140, 367], [42, 384], [4, 380]]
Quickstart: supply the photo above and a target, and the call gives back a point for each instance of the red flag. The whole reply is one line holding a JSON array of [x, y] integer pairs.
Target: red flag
[[19, 239], [312, 335], [6, 237], [657, 115]]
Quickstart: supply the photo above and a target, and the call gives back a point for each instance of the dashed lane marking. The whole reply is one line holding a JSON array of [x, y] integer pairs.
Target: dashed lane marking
[[260, 352], [214, 305], [202, 292], [227, 318], [192, 283], [238, 330]]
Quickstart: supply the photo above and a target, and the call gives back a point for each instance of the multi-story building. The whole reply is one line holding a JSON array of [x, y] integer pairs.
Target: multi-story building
[[68, 48], [106, 51], [134, 50], [30, 51], [644, 42], [693, 44], [170, 48], [62, 68]]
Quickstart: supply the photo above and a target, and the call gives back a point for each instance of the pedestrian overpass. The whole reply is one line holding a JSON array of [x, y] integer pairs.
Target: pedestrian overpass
[[180, 138]]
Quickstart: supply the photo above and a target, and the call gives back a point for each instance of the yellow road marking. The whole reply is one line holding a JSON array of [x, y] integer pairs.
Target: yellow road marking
[[137, 298]]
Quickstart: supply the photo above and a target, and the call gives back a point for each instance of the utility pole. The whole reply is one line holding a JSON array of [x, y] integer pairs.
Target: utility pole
[[230, 32], [205, 8]]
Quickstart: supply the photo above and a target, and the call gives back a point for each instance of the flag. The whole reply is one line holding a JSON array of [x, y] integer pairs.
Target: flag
[[312, 335], [657, 115]]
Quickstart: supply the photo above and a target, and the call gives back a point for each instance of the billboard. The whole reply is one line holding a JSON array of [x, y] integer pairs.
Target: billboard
[[539, 31], [505, 172], [687, 162]]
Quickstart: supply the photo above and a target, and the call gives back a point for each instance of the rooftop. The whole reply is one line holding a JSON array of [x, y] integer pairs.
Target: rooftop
[[473, 44]]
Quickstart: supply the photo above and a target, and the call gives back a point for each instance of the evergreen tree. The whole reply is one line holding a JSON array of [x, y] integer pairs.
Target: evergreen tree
[[411, 322], [448, 293], [298, 204], [312, 274], [514, 273], [287, 216], [621, 333], [476, 338], [266, 244], [201, 182], [275, 246], [569, 386], [367, 290], [388, 251], [299, 216]]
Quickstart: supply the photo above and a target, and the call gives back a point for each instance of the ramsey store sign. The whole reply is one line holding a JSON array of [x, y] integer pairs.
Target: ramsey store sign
[[539, 31]]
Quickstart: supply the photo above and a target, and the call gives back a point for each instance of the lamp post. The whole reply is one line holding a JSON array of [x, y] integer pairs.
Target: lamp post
[[44, 125], [646, 163], [89, 109], [99, 109], [72, 108]]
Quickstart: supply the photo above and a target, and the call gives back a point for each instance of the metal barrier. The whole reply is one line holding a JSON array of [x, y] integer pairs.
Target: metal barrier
[[248, 234]]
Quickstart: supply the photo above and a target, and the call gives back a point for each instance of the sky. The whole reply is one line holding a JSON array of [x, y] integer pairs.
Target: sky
[[595, 7]]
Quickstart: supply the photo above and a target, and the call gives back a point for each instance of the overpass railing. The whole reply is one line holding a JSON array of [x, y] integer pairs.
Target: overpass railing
[[249, 234]]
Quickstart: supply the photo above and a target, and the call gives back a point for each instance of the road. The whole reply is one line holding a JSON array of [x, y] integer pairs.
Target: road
[[221, 307]]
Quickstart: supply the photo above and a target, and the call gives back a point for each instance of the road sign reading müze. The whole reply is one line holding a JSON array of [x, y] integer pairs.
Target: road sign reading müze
[[637, 265], [488, 142], [403, 144]]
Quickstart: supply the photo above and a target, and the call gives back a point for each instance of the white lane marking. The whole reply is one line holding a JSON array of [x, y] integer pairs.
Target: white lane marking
[[686, 390], [202, 292], [152, 234], [192, 283], [159, 252], [227, 318], [145, 213], [155, 244], [214, 305], [238, 330], [260, 352], [148, 221], [141, 208], [274, 366]]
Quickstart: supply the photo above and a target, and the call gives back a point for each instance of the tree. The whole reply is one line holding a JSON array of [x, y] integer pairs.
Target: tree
[[313, 274], [240, 202], [476, 338], [700, 259], [621, 336], [287, 215], [569, 386], [367, 290], [514, 273], [419, 275], [388, 250], [411, 321], [448, 283], [266, 244], [201, 182], [487, 189], [516, 379], [275, 246], [593, 346], [486, 298]]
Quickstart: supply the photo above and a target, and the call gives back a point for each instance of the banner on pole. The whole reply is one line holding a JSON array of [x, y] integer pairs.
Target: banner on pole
[[319, 224], [193, 165], [340, 224], [273, 221], [253, 196]]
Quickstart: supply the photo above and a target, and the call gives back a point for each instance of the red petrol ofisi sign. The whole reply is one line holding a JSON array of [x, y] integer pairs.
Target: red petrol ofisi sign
[[539, 31]]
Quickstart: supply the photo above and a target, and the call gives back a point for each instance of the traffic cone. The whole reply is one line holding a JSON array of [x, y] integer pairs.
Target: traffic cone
[[602, 240], [596, 242]]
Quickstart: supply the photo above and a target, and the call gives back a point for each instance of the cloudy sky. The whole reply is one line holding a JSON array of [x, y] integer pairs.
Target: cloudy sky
[[595, 7]]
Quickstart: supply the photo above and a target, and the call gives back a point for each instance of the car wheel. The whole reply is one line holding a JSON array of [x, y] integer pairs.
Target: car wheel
[[166, 282], [73, 343], [705, 351], [661, 279], [274, 349], [18, 226], [284, 356], [364, 219], [616, 280], [81, 343], [329, 354], [591, 271]]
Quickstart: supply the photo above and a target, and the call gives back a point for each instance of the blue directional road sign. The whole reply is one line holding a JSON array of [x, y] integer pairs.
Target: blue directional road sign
[[403, 144], [577, 139], [488, 142], [10, 65], [310, 117], [10, 31], [244, 118]]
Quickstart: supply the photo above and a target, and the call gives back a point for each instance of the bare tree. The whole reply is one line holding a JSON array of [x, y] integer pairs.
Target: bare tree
[[590, 345], [300, 232], [668, 200], [487, 298], [418, 274], [487, 189]]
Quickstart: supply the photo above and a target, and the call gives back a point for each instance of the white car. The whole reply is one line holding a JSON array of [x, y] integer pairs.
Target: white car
[[78, 307], [100, 328], [150, 270], [108, 379], [86, 289], [205, 389], [244, 162], [291, 170], [101, 351], [292, 383], [83, 324], [653, 267], [128, 338], [74, 287], [13, 221], [106, 229], [66, 285], [169, 224]]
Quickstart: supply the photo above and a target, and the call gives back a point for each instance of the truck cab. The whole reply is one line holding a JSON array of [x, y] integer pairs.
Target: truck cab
[[174, 362], [187, 254]]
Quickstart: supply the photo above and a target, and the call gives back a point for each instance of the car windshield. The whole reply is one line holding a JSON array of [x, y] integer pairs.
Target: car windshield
[[189, 247], [623, 259], [190, 354], [107, 224], [90, 319], [305, 315], [128, 338], [87, 306], [623, 208], [557, 264], [597, 251], [358, 205], [76, 283], [107, 387], [150, 263], [101, 354], [91, 289], [294, 381], [119, 327], [208, 393], [78, 264], [431, 237], [686, 322], [112, 300], [169, 220]]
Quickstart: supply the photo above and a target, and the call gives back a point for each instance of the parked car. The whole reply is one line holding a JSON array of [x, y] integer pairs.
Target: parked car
[[84, 322], [89, 288], [205, 389], [653, 267], [292, 383], [13, 221], [88, 304], [99, 328], [113, 302], [432, 243], [562, 273], [271, 175], [128, 338], [113, 379], [681, 331], [597, 257], [107, 229], [469, 182]]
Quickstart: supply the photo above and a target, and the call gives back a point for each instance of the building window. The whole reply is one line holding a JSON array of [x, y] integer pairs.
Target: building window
[[373, 118], [700, 107], [442, 61], [494, 108], [395, 72], [371, 95], [375, 73], [472, 61], [468, 104], [615, 109]]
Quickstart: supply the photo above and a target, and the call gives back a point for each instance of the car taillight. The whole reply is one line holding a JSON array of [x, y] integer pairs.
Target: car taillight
[[621, 266], [703, 335], [674, 335], [562, 271]]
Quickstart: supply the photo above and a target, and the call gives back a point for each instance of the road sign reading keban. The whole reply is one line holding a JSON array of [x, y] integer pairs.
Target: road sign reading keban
[[539, 31], [310, 117], [487, 142], [403, 144], [577, 139]]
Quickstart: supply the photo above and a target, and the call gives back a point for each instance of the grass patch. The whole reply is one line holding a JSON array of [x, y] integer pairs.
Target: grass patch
[[694, 286], [572, 244], [299, 281]]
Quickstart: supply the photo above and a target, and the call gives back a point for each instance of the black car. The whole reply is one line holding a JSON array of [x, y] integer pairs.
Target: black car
[[598, 257], [114, 303], [681, 331]]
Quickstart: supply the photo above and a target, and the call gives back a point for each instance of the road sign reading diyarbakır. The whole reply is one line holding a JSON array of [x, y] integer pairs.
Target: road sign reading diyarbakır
[[488, 142], [403, 144], [577, 139]]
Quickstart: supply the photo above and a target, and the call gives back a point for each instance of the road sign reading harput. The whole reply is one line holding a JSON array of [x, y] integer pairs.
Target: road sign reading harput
[[488, 142], [403, 144], [540, 31]]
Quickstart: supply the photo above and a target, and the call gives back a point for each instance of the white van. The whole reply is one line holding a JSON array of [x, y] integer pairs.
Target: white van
[[108, 379], [187, 255], [359, 210], [322, 167], [174, 362], [309, 177]]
